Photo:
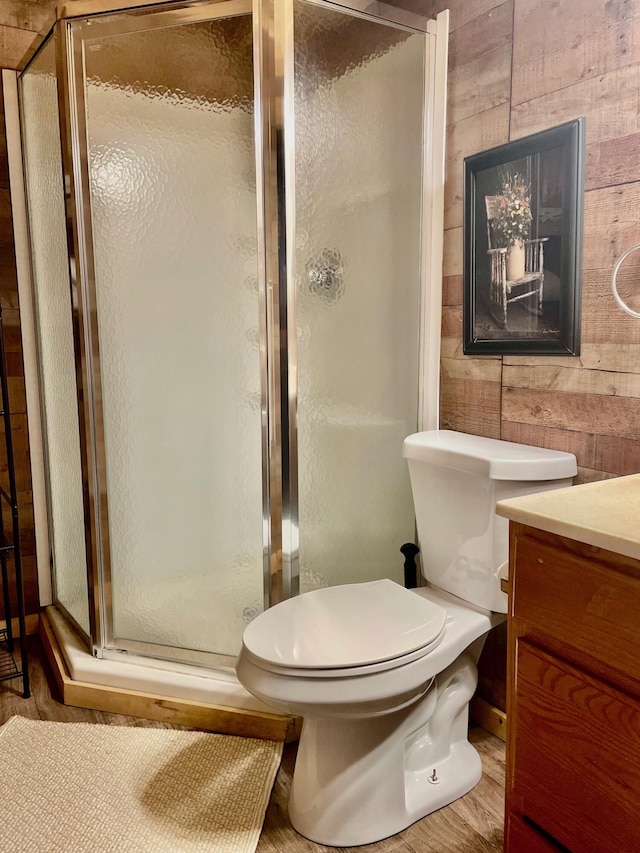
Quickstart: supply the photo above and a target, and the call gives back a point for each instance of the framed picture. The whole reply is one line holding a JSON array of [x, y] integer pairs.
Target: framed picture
[[523, 244]]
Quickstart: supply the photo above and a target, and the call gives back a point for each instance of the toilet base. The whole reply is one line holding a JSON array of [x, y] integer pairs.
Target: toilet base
[[358, 781], [457, 775]]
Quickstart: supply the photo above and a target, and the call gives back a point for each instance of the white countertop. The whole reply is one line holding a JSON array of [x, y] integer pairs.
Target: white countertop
[[605, 514]]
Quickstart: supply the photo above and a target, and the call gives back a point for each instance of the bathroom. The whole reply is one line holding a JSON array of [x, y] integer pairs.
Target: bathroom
[[514, 68]]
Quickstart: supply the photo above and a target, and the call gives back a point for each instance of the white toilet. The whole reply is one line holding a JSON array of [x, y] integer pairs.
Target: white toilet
[[383, 675]]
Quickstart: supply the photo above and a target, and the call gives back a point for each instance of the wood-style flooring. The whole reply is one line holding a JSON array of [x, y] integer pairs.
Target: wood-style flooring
[[473, 824]]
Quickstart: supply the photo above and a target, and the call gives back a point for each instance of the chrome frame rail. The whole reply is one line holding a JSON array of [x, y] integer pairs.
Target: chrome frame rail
[[80, 256], [268, 219]]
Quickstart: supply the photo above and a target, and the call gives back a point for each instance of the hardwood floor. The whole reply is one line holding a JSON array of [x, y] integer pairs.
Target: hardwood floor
[[473, 824]]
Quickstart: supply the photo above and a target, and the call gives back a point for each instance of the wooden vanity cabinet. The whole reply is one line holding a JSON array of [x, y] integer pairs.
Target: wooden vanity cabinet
[[573, 697]]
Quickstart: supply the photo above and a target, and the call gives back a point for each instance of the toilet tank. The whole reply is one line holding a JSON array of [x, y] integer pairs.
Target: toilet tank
[[456, 480]]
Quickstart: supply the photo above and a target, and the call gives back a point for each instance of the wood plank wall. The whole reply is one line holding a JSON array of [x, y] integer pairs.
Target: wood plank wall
[[517, 67], [20, 22]]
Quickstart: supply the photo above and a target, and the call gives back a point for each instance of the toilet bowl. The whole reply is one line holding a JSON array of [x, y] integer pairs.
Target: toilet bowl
[[383, 675]]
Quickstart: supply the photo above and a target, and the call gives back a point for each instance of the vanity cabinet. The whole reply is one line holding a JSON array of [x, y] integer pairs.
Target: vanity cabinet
[[573, 696]]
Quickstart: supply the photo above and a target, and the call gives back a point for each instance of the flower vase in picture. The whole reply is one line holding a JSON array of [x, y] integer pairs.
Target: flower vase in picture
[[515, 260], [513, 222]]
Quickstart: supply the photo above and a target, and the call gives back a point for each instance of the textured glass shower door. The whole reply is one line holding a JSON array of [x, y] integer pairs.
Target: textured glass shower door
[[171, 325], [358, 106]]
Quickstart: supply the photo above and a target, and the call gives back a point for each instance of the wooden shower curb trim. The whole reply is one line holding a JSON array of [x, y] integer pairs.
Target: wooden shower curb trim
[[489, 717], [150, 706]]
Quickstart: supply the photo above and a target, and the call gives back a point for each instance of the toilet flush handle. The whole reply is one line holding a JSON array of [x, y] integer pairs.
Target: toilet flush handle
[[410, 551]]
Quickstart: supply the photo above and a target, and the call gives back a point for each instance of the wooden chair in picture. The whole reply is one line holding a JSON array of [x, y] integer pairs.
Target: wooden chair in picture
[[529, 287]]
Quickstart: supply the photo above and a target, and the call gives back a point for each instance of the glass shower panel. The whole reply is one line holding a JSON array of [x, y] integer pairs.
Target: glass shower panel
[[358, 95], [52, 293], [169, 116]]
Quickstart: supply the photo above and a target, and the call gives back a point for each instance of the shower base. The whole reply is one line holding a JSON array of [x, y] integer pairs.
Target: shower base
[[209, 700]]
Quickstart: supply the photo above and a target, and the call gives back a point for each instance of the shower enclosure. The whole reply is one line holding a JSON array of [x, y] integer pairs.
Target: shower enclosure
[[235, 220]]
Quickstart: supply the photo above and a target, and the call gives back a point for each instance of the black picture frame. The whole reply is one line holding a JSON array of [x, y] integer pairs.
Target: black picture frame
[[537, 312]]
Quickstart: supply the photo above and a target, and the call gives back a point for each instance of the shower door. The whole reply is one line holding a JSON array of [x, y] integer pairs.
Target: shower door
[[358, 121], [169, 325], [358, 95]]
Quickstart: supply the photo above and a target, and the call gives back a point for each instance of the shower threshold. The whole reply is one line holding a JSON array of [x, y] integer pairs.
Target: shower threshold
[[209, 700]]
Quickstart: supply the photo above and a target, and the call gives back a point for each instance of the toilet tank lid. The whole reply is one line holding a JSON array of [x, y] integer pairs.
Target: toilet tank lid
[[489, 457]]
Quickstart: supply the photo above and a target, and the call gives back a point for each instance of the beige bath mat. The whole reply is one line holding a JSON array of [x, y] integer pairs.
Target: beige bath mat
[[84, 788]]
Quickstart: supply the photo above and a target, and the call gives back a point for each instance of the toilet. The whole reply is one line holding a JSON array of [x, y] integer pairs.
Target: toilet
[[383, 675]]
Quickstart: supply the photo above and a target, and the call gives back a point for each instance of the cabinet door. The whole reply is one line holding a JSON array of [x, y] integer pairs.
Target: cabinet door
[[521, 837], [577, 755]]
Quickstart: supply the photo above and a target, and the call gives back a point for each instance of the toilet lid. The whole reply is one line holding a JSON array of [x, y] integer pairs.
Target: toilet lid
[[345, 626]]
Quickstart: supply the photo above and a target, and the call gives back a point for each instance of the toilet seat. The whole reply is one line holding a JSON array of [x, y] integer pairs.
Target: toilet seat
[[342, 631]]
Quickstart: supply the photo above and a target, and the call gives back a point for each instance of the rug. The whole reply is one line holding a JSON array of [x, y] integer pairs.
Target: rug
[[89, 788]]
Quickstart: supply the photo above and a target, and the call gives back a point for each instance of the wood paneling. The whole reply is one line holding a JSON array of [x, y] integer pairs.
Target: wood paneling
[[469, 404], [466, 97], [557, 45], [572, 379], [547, 62], [479, 369], [613, 161], [452, 290], [611, 224], [602, 356], [608, 102], [452, 255], [20, 23], [26, 14], [573, 411], [486, 129], [489, 717], [599, 324], [13, 45], [481, 35], [451, 321]]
